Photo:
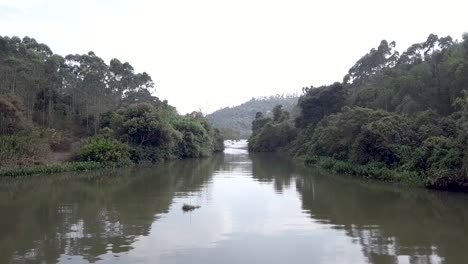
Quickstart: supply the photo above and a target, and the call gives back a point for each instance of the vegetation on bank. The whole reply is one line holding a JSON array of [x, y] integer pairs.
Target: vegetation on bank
[[397, 117], [370, 170], [55, 109], [56, 168], [235, 122]]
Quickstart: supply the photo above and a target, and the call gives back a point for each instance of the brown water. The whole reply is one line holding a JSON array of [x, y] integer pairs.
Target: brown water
[[254, 209]]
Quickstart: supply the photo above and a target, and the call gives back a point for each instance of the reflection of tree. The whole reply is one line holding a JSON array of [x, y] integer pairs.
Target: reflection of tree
[[386, 220], [389, 221], [90, 214], [270, 167], [238, 162]]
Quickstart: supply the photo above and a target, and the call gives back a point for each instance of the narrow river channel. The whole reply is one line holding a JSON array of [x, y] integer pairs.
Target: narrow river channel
[[254, 208]]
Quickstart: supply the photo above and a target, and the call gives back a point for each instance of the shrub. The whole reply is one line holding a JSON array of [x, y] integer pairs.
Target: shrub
[[343, 167], [149, 153], [442, 163], [326, 163], [12, 119], [273, 137], [373, 170], [195, 141], [53, 168], [198, 137], [23, 147], [311, 160], [143, 125], [105, 150]]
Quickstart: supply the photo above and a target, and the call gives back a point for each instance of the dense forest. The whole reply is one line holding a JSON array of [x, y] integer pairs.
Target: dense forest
[[94, 111], [236, 122], [396, 117]]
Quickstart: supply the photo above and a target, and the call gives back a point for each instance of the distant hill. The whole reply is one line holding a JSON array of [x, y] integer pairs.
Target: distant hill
[[236, 122]]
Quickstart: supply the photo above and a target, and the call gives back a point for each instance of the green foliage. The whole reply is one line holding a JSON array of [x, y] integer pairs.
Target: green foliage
[[371, 170], [82, 96], [259, 123], [271, 134], [24, 148], [273, 137], [365, 136], [442, 161], [55, 168], [67, 93], [155, 133], [335, 135], [193, 139], [381, 140], [105, 150], [398, 118], [12, 119], [218, 141], [144, 125], [317, 103], [426, 76], [199, 137], [373, 62], [239, 119]]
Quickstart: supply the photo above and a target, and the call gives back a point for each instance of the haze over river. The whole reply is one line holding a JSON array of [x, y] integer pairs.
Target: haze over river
[[255, 208]]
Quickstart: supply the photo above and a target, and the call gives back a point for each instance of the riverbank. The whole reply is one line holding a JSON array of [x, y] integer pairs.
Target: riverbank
[[25, 170], [372, 170]]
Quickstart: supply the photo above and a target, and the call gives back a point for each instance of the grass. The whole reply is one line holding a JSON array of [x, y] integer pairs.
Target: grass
[[371, 170], [56, 168]]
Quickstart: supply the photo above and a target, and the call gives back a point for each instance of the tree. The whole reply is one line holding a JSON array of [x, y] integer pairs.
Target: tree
[[385, 56], [317, 103]]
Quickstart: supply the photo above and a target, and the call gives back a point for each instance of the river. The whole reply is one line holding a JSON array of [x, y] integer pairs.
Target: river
[[254, 208]]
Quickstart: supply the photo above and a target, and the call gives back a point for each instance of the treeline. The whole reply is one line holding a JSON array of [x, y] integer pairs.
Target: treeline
[[398, 117], [54, 103], [235, 122]]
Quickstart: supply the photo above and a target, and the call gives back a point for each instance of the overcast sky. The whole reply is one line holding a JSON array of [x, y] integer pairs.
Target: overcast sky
[[207, 54]]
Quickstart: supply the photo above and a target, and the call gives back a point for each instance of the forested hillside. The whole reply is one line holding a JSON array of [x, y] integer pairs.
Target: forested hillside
[[236, 122], [50, 103], [398, 117]]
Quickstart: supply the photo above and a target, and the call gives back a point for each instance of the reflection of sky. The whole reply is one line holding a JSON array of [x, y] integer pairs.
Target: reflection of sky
[[240, 221]]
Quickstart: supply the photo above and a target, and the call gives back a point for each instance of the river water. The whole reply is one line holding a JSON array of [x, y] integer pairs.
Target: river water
[[255, 208]]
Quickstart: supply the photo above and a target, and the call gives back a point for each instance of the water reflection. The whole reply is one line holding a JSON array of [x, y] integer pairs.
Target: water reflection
[[254, 208], [388, 221], [392, 224], [92, 214]]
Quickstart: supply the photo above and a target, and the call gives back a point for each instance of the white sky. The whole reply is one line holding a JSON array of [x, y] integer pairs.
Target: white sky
[[207, 54]]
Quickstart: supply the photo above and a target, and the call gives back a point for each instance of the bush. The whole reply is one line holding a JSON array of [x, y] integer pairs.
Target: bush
[[195, 141], [218, 141], [311, 160], [343, 167], [156, 133], [198, 137], [442, 163], [54, 168], [143, 125], [326, 163], [273, 137], [105, 150], [23, 147], [149, 153], [371, 170], [12, 119]]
